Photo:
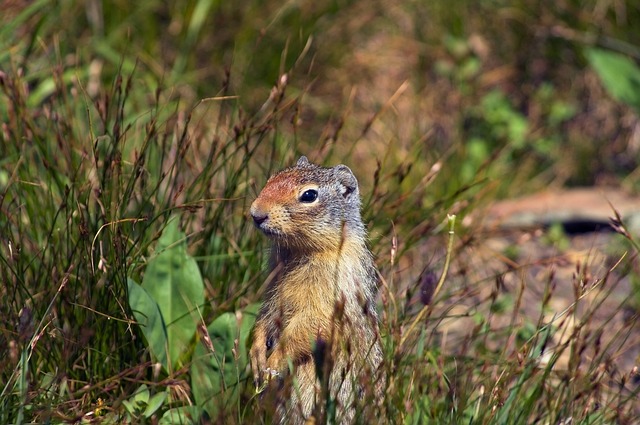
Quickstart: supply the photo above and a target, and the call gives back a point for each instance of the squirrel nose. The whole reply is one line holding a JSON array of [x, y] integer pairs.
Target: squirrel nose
[[259, 218]]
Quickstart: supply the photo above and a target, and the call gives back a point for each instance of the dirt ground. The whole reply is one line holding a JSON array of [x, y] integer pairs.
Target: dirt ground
[[578, 280]]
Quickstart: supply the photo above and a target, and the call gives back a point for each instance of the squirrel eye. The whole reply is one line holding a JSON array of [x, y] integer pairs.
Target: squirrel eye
[[309, 196]]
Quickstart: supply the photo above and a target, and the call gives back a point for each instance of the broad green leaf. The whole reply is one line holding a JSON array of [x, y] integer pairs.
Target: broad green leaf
[[141, 397], [619, 74], [217, 377], [129, 406], [185, 415], [155, 402], [148, 316], [174, 281], [248, 319]]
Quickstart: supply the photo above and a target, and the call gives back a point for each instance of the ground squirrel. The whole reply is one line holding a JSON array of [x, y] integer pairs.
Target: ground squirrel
[[318, 314]]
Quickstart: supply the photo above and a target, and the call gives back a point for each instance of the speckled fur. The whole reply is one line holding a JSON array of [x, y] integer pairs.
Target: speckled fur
[[321, 292]]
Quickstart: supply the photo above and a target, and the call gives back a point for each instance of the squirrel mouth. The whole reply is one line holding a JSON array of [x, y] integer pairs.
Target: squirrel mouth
[[270, 232]]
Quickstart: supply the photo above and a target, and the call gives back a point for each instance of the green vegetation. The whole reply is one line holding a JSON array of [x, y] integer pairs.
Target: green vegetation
[[134, 136]]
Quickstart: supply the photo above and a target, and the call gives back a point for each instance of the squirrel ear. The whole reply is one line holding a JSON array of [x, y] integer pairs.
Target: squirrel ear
[[347, 179], [303, 161]]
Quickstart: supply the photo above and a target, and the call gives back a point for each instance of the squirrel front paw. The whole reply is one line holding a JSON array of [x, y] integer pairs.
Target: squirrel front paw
[[258, 358], [264, 369], [277, 364]]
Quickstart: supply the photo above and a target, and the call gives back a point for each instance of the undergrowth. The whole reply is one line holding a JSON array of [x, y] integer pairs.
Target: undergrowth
[[104, 142]]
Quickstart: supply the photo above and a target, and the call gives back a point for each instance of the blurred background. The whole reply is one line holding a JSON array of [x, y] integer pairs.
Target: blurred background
[[518, 80]]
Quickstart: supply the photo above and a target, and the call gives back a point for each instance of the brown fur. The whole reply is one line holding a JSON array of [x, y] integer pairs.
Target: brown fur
[[321, 293]]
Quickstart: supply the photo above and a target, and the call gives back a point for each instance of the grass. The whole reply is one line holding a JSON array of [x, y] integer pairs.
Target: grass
[[114, 119]]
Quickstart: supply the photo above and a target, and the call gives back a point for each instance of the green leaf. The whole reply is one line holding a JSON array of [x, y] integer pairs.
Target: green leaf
[[141, 397], [619, 74], [174, 281], [148, 316], [129, 406], [185, 415], [155, 402], [217, 377], [248, 319]]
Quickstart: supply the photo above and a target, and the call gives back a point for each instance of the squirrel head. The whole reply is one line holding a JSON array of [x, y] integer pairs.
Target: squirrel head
[[310, 208]]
